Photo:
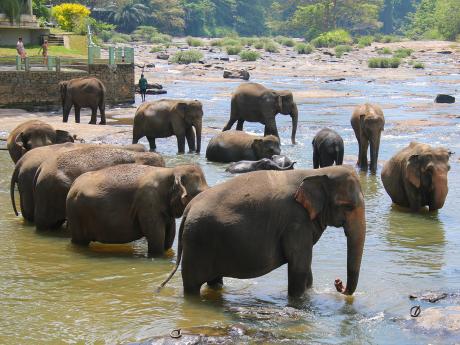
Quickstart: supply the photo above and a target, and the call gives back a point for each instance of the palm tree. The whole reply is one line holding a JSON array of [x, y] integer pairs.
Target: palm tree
[[13, 9], [129, 15]]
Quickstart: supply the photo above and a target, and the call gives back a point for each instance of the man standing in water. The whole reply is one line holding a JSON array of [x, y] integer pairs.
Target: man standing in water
[[143, 87], [44, 50], [20, 48]]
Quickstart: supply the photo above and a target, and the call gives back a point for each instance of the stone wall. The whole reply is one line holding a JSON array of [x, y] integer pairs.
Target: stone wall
[[19, 89]]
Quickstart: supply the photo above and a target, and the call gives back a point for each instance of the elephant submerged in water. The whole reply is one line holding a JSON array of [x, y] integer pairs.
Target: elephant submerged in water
[[256, 222], [123, 203], [277, 162], [255, 103], [234, 146], [416, 176], [32, 134]]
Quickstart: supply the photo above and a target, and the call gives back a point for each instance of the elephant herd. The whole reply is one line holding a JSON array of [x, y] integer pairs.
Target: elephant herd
[[242, 228]]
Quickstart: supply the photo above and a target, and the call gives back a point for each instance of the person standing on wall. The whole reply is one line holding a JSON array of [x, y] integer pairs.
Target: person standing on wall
[[20, 48], [44, 50], [143, 87]]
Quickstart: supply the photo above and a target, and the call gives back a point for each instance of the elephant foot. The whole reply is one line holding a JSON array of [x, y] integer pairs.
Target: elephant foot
[[92, 122], [216, 284], [83, 243], [102, 123]]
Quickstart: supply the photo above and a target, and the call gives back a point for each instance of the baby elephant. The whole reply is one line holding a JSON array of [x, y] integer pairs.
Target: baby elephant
[[277, 162], [123, 203], [234, 146], [327, 148]]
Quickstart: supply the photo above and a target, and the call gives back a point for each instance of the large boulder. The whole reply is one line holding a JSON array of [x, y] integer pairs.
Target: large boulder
[[441, 98], [237, 74]]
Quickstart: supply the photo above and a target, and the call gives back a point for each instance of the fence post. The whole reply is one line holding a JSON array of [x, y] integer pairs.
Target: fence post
[[111, 56], [27, 64], [18, 62], [50, 62], [90, 55], [58, 64]]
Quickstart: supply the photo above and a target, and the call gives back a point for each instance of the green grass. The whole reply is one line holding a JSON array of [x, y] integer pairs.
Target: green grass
[[387, 38], [249, 55], [303, 48], [332, 39], [285, 41], [32, 51], [365, 41], [194, 42], [379, 62], [271, 47], [157, 48], [160, 39], [418, 65], [233, 50], [402, 53], [248, 41], [187, 56], [341, 49], [259, 44], [384, 51]]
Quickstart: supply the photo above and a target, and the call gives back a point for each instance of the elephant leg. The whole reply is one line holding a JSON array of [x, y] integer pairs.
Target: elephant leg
[[102, 111], [93, 116], [77, 114], [216, 283], [315, 158], [152, 143], [170, 233], [190, 136], [181, 143], [229, 124], [362, 160], [66, 112], [153, 228], [270, 128], [239, 125]]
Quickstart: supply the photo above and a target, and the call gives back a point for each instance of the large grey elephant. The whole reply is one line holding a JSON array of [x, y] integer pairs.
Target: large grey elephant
[[26, 168], [234, 146], [167, 117], [259, 221], [34, 133], [81, 93], [123, 203], [55, 176], [255, 103], [327, 148], [368, 123], [416, 176]]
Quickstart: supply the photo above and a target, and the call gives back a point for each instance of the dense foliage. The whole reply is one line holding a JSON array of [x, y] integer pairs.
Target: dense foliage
[[69, 16]]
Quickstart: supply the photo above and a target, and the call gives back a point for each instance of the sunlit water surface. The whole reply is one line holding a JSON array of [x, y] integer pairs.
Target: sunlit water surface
[[53, 292]]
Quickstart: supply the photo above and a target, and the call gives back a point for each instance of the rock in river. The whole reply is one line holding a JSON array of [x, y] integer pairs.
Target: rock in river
[[237, 74], [441, 98]]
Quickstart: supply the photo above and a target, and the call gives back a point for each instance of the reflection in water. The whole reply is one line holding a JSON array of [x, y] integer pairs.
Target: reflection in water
[[418, 238]]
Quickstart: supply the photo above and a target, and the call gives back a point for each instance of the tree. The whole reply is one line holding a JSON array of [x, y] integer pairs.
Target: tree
[[250, 17], [129, 16], [199, 17], [448, 18], [167, 16], [13, 9], [68, 16]]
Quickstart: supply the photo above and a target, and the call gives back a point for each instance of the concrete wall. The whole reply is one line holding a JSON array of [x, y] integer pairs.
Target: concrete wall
[[20, 89], [9, 36]]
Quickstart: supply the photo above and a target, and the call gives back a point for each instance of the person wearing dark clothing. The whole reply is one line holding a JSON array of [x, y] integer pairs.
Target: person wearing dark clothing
[[143, 87]]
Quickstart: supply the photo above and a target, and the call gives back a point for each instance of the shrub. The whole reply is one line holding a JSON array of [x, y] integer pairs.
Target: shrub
[[187, 56], [216, 43], [365, 41], [303, 48], [384, 51], [389, 39], [402, 53], [383, 62], [271, 47], [156, 49], [332, 39], [259, 44], [249, 55], [120, 38], [194, 42], [233, 50], [69, 15], [285, 41], [248, 41], [341, 49], [160, 39], [418, 65], [228, 41], [144, 33]]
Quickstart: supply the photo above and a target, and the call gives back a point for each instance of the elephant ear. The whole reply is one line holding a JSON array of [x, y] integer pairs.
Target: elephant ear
[[181, 107], [413, 170], [179, 193], [257, 147], [20, 140], [63, 137], [278, 102], [312, 195]]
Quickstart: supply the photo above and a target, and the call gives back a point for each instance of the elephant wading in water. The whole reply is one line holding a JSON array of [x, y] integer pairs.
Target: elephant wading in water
[[32, 134], [80, 93], [55, 176], [123, 203], [416, 176], [275, 163], [327, 148], [368, 123], [164, 118], [256, 222], [255, 103], [234, 146]]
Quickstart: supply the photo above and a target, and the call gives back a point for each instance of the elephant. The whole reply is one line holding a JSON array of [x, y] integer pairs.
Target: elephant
[[416, 176], [368, 123], [83, 92], [234, 146], [277, 162], [256, 222], [255, 103], [25, 169], [327, 148], [167, 117], [34, 133], [123, 203], [55, 175]]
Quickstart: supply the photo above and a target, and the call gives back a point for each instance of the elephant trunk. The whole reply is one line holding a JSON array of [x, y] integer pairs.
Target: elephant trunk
[[355, 230], [295, 117], [14, 180], [440, 190], [198, 126], [288, 167]]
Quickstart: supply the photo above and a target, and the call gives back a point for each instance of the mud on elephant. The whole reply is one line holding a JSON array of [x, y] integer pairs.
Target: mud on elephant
[[81, 93], [256, 222], [416, 176], [32, 134], [123, 203], [255, 103], [234, 146], [167, 117], [368, 123]]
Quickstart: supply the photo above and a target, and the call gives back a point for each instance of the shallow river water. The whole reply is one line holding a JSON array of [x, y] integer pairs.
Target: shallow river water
[[53, 292]]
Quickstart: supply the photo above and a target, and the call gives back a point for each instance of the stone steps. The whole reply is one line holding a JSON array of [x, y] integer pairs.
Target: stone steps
[[55, 40]]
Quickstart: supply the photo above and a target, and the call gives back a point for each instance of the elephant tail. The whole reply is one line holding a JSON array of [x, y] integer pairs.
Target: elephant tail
[[14, 180], [179, 255]]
